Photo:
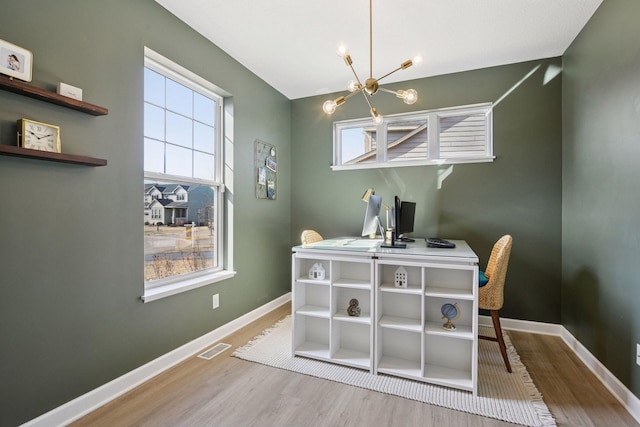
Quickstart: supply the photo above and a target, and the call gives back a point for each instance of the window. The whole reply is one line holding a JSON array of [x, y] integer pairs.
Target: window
[[183, 189], [444, 136]]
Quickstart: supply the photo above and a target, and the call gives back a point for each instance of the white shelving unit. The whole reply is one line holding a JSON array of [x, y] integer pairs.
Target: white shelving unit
[[412, 318], [322, 327], [399, 331]]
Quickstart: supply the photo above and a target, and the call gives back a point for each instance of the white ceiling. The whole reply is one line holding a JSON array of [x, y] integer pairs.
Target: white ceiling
[[291, 44]]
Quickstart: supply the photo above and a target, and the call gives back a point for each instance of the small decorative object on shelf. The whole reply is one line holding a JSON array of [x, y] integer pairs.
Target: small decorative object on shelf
[[15, 61], [69, 91], [316, 271], [401, 279], [353, 310], [38, 136], [450, 312]]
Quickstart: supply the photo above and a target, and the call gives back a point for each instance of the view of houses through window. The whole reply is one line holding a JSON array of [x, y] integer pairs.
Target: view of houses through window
[[182, 184], [179, 229]]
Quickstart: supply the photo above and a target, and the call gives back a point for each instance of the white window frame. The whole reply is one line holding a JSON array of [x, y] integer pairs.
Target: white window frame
[[161, 288], [432, 118]]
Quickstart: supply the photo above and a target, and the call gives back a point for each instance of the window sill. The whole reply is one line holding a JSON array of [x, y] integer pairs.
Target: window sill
[[413, 163], [177, 287]]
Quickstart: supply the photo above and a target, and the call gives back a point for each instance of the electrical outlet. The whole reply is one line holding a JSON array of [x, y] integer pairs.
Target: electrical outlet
[[216, 301], [638, 354]]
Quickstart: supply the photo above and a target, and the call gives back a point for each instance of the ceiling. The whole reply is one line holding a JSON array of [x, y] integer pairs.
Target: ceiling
[[291, 44]]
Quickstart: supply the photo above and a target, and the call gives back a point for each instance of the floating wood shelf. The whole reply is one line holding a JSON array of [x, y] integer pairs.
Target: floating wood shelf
[[10, 150], [30, 91]]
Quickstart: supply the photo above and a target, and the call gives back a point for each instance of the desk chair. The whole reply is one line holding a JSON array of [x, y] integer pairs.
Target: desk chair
[[491, 295], [310, 236]]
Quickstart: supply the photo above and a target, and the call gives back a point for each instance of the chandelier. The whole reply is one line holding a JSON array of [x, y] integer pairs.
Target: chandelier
[[371, 86]]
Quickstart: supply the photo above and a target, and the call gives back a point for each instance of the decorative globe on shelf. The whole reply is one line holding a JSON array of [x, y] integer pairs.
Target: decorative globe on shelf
[[450, 312]]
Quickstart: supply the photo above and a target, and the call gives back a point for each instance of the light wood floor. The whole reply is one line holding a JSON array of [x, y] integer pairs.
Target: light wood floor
[[227, 391]]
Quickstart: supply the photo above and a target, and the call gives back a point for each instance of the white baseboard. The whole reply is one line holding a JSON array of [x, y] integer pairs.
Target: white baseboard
[[630, 402], [102, 395], [98, 397]]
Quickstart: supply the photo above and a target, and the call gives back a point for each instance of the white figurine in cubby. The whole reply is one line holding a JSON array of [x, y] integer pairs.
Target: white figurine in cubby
[[316, 271], [401, 278]]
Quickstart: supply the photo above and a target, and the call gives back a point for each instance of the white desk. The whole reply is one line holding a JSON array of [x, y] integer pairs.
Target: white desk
[[399, 331]]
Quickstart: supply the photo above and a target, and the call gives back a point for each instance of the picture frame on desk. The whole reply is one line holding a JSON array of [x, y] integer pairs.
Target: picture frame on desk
[[15, 62]]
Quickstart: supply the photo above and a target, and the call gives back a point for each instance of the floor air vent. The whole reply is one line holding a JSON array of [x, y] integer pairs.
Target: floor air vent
[[214, 351]]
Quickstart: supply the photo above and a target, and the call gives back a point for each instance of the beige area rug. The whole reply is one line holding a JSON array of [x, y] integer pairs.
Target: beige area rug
[[503, 396]]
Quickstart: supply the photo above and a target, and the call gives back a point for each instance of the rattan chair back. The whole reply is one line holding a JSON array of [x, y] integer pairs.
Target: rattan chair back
[[491, 295], [310, 236]]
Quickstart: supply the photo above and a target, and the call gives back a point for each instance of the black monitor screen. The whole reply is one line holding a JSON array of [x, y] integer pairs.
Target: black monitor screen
[[406, 217]]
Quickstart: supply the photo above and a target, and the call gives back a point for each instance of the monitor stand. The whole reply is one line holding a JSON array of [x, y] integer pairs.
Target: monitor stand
[[394, 244]]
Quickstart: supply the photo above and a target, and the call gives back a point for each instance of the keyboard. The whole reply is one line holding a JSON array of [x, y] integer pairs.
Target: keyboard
[[435, 242]]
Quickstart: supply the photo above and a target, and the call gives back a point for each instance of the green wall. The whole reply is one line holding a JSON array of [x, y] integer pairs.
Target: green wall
[[601, 220], [71, 318], [519, 193], [70, 270]]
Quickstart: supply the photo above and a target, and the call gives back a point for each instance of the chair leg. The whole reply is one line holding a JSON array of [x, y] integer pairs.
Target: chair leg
[[503, 348]]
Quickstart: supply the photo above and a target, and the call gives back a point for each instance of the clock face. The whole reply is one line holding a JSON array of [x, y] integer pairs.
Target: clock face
[[40, 136]]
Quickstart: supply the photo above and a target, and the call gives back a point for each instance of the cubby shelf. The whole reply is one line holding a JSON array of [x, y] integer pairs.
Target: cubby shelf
[[400, 330], [343, 339], [34, 92], [11, 150]]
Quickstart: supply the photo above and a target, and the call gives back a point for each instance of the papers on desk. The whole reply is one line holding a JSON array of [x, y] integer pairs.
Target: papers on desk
[[348, 242]]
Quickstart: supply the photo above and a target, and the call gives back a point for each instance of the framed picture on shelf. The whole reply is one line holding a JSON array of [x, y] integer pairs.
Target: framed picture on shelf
[[15, 61]]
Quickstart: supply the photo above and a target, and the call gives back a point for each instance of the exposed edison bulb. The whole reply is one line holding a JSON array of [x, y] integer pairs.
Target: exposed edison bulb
[[354, 86], [342, 49], [410, 96], [377, 118], [329, 106], [417, 59]]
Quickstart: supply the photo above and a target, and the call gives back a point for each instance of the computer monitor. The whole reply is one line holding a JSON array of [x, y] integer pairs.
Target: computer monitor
[[405, 220], [371, 220], [397, 218]]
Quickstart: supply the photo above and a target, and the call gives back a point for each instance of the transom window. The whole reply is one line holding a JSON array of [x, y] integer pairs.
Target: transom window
[[444, 136]]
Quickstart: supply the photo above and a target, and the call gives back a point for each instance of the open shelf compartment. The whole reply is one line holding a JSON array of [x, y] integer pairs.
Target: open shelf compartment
[[352, 344], [433, 318], [311, 337], [449, 362], [352, 273], [399, 353]]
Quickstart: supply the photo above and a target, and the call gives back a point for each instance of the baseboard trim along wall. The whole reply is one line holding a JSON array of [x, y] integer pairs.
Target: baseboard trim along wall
[[102, 395], [613, 384]]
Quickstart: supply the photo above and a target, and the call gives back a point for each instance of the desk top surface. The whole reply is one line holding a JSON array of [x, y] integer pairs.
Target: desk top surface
[[371, 247]]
